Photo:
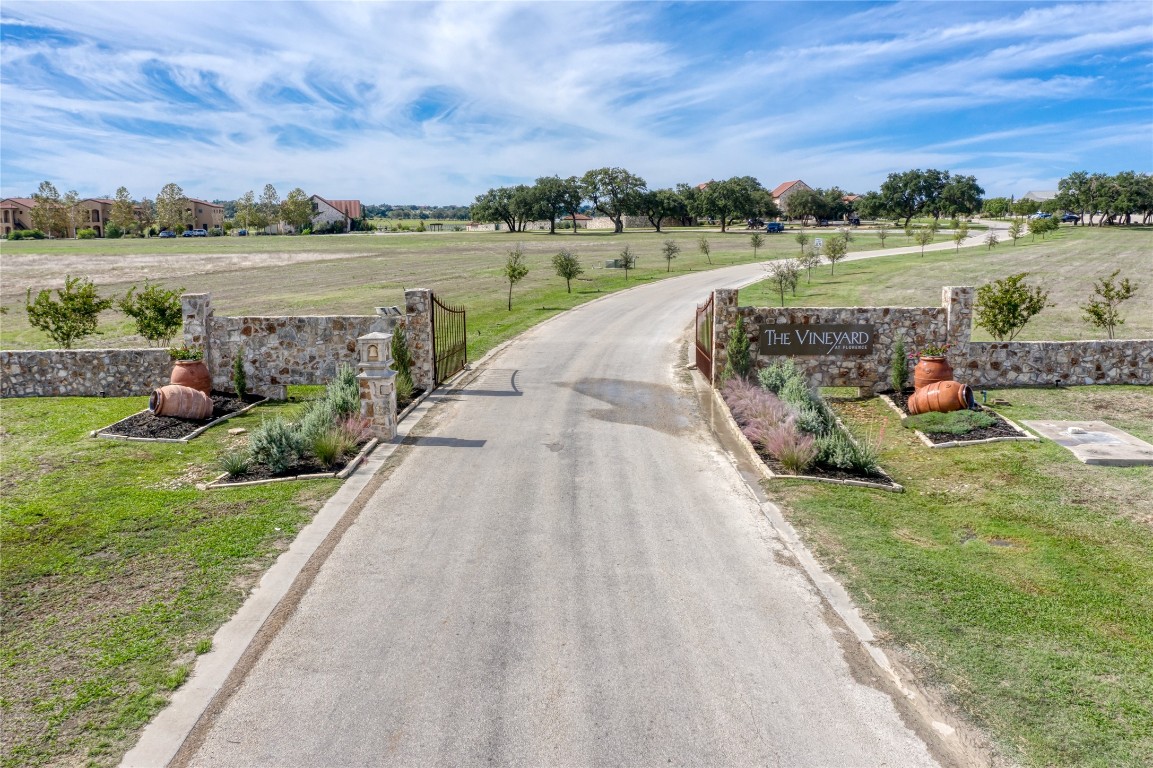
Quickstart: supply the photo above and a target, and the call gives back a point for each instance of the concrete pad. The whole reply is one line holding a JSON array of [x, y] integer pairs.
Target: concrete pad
[[1095, 442]]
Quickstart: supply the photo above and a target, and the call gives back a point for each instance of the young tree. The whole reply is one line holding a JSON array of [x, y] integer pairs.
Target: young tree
[[270, 207], [514, 270], [1015, 229], [783, 274], [123, 215], [157, 312], [246, 209], [48, 213], [959, 234], [756, 240], [627, 260], [923, 237], [71, 203], [567, 266], [1101, 310], [1004, 306], [296, 210], [705, 249], [835, 249], [670, 250], [882, 233], [802, 238], [807, 262], [71, 315], [899, 373], [172, 211], [146, 215], [739, 361], [991, 239]]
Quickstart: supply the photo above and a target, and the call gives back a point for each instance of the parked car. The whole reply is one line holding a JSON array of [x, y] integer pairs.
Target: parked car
[[774, 226], [168, 233], [195, 233], [242, 233], [1041, 215], [1070, 218]]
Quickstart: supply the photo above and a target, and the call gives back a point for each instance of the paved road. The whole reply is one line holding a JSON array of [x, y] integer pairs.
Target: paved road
[[565, 571]]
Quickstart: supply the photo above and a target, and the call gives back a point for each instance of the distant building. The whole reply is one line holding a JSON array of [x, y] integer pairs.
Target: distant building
[[341, 212], [783, 191], [1039, 196]]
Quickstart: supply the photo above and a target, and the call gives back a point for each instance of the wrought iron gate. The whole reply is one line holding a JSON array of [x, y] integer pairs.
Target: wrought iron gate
[[704, 339], [449, 340]]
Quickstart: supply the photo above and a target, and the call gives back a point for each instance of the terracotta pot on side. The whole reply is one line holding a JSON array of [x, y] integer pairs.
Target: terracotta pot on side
[[181, 402], [943, 396], [192, 373], [930, 370]]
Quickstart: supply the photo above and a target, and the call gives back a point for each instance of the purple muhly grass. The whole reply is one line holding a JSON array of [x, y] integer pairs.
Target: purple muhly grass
[[357, 428], [750, 403], [788, 445]]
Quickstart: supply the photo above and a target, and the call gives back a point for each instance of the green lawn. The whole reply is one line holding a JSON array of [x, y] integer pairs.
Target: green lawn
[[364, 271], [1065, 264], [117, 571], [1017, 581]]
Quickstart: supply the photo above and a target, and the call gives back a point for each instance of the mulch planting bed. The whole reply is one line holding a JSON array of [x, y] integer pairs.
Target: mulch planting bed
[[148, 426], [306, 466], [1002, 429], [820, 472]]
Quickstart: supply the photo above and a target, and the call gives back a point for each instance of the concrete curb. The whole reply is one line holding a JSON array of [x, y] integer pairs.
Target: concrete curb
[[163, 737]]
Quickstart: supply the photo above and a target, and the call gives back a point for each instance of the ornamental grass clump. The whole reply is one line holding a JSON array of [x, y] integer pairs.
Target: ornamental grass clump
[[785, 442]]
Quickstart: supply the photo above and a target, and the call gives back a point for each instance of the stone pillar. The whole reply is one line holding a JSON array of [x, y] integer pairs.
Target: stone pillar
[[377, 383], [958, 305], [418, 330], [197, 311], [724, 318]]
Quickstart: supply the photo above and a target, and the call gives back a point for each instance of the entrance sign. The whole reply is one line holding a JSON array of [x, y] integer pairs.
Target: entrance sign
[[816, 340], [818, 243]]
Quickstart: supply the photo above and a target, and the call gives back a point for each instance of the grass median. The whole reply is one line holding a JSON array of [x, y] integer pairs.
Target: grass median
[[1014, 579]]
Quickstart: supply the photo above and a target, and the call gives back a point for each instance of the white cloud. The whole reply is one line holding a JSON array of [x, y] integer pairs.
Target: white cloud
[[437, 101]]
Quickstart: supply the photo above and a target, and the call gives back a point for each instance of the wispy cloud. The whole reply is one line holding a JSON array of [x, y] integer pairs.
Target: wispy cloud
[[435, 102]]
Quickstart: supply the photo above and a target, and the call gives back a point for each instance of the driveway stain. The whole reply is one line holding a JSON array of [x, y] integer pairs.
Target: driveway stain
[[639, 403]]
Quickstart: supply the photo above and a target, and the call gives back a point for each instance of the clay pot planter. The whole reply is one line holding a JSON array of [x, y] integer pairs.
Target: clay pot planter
[[181, 402], [930, 370], [942, 396], [192, 373]]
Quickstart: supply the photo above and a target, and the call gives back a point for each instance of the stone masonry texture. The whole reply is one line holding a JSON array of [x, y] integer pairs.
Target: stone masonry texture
[[978, 364], [277, 352]]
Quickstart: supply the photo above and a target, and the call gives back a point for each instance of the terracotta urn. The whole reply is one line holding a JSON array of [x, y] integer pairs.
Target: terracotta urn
[[930, 370], [192, 373], [944, 397]]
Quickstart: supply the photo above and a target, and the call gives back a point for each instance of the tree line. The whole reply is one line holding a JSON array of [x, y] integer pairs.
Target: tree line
[[1118, 198]]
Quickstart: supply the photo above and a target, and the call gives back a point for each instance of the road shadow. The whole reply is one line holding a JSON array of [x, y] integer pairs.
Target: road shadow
[[442, 442]]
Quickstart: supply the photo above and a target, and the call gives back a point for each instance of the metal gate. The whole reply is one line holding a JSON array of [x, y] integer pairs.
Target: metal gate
[[449, 337], [704, 339]]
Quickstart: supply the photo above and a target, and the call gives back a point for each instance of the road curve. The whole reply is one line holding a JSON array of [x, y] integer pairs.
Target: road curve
[[565, 570]]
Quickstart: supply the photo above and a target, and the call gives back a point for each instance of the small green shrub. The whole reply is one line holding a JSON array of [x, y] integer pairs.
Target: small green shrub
[[953, 423], [319, 417], [239, 379], [86, 234], [235, 463], [156, 310], [740, 361], [402, 360], [344, 391], [113, 232], [275, 444], [72, 315], [777, 375], [900, 370]]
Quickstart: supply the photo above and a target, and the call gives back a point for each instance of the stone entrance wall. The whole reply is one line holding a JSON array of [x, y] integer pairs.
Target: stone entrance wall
[[979, 364], [277, 352]]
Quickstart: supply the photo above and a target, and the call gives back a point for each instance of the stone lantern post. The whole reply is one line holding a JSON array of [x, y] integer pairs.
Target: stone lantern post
[[377, 383]]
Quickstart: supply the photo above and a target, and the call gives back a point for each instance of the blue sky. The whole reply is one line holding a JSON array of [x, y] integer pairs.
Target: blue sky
[[434, 103]]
